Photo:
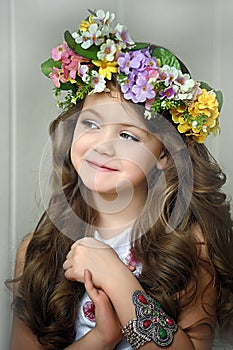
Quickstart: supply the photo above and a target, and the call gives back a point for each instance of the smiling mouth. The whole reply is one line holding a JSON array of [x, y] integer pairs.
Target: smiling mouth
[[100, 167]]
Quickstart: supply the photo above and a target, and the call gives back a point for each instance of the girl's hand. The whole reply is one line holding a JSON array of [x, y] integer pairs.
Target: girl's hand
[[97, 257], [107, 329]]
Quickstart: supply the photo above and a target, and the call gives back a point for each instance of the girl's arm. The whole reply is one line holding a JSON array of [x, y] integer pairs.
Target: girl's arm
[[112, 276], [23, 339], [104, 336]]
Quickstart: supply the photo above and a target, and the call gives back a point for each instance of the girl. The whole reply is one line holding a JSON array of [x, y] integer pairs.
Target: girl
[[134, 249]]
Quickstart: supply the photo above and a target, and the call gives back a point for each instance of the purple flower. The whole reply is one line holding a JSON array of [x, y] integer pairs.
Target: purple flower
[[142, 90], [128, 83], [129, 95], [124, 62], [163, 76], [138, 60], [152, 62], [168, 93]]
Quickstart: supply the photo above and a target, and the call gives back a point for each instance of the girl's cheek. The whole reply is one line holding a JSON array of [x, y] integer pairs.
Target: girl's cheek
[[75, 155]]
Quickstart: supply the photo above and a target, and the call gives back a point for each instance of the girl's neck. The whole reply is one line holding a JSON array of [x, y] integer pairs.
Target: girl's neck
[[117, 212]]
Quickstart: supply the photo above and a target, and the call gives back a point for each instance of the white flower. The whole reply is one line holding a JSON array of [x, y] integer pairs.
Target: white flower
[[82, 69], [211, 92], [182, 96], [194, 124], [121, 34], [98, 82], [147, 114], [196, 90], [104, 18], [75, 35], [171, 74], [184, 81], [107, 51], [204, 128], [86, 78], [90, 37]]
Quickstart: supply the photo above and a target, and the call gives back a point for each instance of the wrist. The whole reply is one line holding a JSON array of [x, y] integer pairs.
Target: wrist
[[120, 288], [118, 274], [103, 344]]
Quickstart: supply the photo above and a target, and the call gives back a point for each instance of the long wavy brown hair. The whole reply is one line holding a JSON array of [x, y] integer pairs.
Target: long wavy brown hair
[[48, 303]]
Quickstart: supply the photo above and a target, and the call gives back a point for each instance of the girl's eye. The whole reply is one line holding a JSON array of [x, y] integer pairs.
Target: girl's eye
[[128, 136], [90, 124]]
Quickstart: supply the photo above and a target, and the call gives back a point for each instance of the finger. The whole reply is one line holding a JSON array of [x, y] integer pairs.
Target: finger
[[90, 289], [69, 255], [67, 264], [68, 275]]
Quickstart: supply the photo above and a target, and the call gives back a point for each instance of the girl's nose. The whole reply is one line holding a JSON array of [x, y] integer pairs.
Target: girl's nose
[[105, 148]]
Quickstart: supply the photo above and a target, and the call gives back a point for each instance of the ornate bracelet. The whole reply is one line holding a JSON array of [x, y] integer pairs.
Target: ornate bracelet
[[151, 323]]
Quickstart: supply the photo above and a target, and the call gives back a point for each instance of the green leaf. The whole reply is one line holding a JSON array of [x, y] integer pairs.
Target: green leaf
[[206, 86], [47, 66], [70, 40], [139, 46], [90, 53], [166, 57], [68, 86], [219, 97]]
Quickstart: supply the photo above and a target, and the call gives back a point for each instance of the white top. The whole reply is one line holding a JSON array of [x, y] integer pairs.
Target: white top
[[86, 316]]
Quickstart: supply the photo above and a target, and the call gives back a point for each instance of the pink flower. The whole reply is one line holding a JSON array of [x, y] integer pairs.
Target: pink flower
[[148, 103], [73, 65], [153, 74], [61, 53], [57, 76]]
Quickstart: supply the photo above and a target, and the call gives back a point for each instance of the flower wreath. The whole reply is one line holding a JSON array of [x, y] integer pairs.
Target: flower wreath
[[86, 60]]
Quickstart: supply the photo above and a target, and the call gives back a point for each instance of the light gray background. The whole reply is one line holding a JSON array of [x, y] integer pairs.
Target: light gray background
[[200, 32]]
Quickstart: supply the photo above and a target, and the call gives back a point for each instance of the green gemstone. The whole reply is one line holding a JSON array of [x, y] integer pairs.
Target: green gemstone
[[163, 323], [158, 304], [162, 333]]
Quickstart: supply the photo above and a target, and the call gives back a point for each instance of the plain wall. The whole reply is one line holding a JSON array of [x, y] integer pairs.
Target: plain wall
[[199, 32]]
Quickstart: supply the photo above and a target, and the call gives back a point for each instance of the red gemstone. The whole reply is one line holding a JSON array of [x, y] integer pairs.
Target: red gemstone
[[142, 299], [169, 321], [147, 323]]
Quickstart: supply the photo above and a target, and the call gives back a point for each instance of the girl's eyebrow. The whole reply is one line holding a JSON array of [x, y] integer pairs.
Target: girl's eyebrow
[[139, 128], [88, 112]]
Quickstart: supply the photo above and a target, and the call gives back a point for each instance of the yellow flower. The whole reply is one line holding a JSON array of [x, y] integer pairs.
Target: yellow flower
[[200, 138], [183, 128], [84, 25], [206, 104], [106, 68], [177, 113]]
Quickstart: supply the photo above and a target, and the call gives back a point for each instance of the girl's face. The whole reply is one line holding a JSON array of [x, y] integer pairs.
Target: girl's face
[[112, 150]]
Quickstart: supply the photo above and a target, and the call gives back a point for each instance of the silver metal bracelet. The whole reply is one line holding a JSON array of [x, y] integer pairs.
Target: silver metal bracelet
[[151, 323]]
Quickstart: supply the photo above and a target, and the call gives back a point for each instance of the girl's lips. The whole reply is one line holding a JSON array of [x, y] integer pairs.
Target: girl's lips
[[100, 167]]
